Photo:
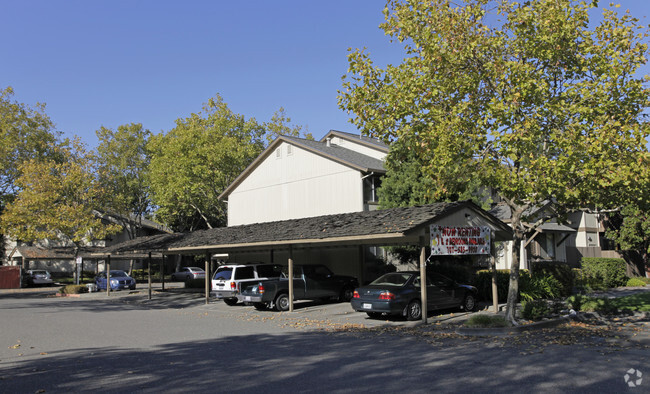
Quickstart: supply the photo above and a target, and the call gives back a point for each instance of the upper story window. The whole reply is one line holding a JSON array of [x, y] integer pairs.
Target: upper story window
[[278, 153], [289, 149], [370, 185]]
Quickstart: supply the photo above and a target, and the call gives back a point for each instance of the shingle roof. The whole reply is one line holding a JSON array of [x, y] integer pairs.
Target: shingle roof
[[369, 141], [340, 154], [382, 227]]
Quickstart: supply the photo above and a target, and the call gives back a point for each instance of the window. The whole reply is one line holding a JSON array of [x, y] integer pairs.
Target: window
[[289, 149], [278, 153]]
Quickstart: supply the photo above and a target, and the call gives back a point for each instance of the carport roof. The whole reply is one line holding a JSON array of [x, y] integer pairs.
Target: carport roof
[[381, 227]]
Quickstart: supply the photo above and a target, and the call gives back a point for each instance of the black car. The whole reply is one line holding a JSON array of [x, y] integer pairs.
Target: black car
[[398, 293]]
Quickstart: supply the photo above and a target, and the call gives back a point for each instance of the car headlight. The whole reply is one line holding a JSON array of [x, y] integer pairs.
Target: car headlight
[[114, 282]]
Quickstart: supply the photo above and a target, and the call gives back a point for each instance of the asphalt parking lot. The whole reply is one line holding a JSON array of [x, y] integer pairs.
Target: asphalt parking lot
[[177, 343]]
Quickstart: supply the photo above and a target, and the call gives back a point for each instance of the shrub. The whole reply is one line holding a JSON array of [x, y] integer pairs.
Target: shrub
[[596, 304], [486, 321], [575, 301], [635, 282], [483, 283], [73, 289], [535, 309], [540, 287], [610, 272], [558, 270]]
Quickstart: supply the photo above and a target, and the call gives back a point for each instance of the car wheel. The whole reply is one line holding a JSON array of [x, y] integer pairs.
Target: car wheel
[[230, 301], [346, 294], [260, 306], [414, 310], [374, 315], [469, 303], [282, 302]]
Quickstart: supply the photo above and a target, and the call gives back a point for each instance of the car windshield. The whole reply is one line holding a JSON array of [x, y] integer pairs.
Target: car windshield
[[118, 274], [396, 279], [223, 273], [196, 269], [39, 273]]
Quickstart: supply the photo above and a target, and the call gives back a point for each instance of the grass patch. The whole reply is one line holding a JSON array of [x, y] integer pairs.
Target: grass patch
[[636, 302], [486, 321]]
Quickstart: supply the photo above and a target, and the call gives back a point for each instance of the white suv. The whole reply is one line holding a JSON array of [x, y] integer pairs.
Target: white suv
[[228, 279]]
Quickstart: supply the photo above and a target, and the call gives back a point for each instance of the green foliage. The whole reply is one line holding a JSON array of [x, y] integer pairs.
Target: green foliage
[[530, 97], [57, 200], [635, 282], [483, 282], [575, 301], [535, 309], [598, 304], [73, 289], [122, 161], [26, 133], [636, 302], [279, 125], [560, 271], [486, 321], [609, 272], [196, 161], [540, 287], [630, 228]]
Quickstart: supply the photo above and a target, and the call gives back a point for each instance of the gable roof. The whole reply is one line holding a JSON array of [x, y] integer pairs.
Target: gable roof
[[359, 139], [344, 156], [381, 227]]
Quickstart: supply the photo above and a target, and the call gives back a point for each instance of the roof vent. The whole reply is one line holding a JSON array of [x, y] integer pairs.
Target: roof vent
[[328, 142]]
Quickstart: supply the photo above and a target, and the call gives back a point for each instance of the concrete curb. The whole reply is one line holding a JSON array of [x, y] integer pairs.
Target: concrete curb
[[505, 331]]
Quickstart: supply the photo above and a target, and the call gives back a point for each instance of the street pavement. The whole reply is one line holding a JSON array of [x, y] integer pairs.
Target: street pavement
[[177, 343]]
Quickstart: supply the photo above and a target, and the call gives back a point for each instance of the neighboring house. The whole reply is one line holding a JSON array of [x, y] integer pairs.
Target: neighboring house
[[57, 255], [549, 242], [298, 178]]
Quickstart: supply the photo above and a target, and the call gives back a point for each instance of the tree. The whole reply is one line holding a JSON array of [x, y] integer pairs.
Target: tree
[[630, 230], [524, 95], [57, 200], [122, 161], [279, 125], [26, 133], [195, 162]]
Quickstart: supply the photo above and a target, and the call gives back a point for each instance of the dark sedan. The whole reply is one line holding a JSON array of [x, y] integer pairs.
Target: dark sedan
[[398, 293]]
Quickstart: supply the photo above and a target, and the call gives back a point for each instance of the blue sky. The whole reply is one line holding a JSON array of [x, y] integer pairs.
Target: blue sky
[[106, 63]]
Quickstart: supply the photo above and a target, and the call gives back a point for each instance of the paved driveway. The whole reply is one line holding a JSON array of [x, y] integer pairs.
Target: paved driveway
[[176, 343]]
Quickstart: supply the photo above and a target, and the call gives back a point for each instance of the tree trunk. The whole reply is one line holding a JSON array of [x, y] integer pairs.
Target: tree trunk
[[513, 285]]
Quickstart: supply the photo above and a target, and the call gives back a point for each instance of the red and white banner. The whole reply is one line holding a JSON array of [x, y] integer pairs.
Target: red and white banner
[[447, 240]]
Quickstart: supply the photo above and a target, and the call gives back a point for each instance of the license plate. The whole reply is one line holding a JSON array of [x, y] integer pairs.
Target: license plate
[[247, 298], [367, 306]]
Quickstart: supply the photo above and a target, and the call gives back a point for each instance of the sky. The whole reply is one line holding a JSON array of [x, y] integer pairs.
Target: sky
[[107, 63]]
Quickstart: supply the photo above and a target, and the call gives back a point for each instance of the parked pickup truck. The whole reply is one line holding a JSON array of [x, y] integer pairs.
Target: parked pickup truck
[[310, 282]]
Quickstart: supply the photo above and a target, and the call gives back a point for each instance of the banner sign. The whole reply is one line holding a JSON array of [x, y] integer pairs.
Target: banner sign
[[447, 240]]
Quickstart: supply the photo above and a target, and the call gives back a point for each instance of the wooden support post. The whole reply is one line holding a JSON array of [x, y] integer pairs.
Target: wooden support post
[[290, 279], [207, 277], [149, 273], [493, 263], [423, 283], [108, 275], [162, 272]]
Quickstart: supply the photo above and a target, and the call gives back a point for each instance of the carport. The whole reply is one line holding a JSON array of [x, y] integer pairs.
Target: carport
[[390, 227]]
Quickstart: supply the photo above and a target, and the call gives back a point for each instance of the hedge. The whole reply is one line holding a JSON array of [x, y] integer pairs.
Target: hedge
[[606, 271]]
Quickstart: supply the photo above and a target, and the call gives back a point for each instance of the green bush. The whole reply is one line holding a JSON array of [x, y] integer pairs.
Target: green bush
[[575, 301], [609, 272], [535, 309], [73, 289], [540, 287], [600, 305], [483, 282], [558, 270], [486, 321], [635, 282]]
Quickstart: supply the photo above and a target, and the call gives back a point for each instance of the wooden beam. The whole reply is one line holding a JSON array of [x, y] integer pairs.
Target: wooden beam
[[423, 283], [290, 262]]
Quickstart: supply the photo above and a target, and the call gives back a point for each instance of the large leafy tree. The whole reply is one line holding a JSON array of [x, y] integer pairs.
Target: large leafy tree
[[195, 162], [525, 95], [26, 133], [122, 161], [280, 124], [57, 200]]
